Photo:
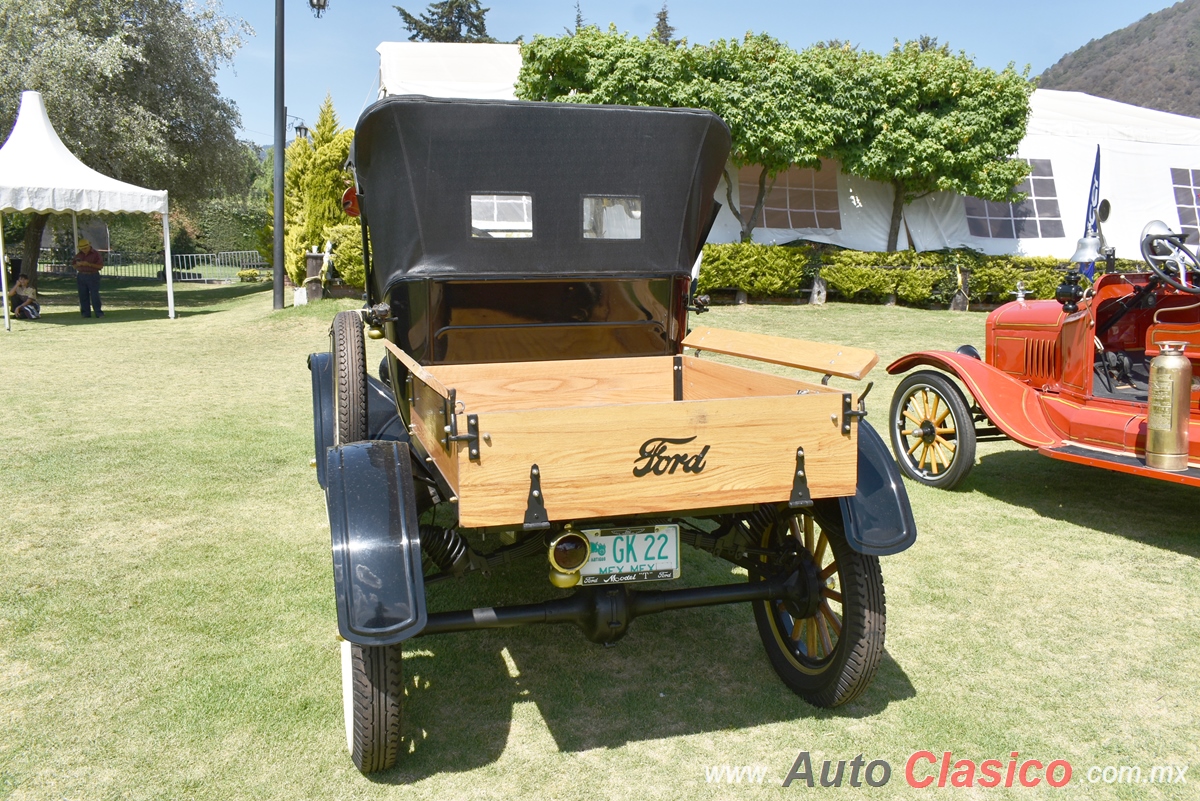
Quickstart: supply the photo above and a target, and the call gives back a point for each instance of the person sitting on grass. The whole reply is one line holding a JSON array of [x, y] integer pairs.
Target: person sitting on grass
[[22, 299]]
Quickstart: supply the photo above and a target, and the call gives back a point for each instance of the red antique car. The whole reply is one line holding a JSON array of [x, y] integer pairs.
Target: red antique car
[[1070, 376]]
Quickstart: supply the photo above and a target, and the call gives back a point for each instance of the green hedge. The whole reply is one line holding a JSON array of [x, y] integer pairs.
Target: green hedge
[[228, 224], [918, 279], [759, 270]]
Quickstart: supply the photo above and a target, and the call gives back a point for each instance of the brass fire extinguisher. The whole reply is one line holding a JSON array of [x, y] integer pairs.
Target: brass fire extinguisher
[[1170, 396]]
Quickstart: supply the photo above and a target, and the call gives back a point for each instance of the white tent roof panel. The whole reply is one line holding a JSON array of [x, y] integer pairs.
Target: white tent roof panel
[[439, 69], [38, 173], [1079, 115]]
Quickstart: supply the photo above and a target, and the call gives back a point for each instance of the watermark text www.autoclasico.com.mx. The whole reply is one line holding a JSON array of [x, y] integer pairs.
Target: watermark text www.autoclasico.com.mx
[[927, 769]]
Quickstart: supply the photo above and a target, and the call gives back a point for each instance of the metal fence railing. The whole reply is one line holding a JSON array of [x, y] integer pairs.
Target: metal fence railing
[[134, 265], [215, 266], [203, 267]]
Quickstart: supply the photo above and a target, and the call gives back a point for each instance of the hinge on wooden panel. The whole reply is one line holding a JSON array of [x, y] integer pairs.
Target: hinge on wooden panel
[[849, 413], [448, 424], [535, 507], [471, 437], [677, 371], [800, 494], [450, 412]]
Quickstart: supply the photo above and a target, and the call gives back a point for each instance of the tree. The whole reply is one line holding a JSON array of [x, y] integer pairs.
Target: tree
[[940, 123], [130, 86], [314, 181], [594, 66], [662, 29], [782, 108], [921, 118], [448, 21]]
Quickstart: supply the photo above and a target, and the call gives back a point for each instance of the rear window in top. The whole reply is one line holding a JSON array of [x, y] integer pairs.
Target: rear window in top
[[501, 216], [609, 217]]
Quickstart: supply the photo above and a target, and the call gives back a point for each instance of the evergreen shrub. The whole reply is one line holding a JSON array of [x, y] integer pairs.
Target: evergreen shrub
[[917, 279]]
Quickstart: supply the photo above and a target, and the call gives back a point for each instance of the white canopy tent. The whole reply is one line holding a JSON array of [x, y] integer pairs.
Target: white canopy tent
[[39, 174], [1149, 169]]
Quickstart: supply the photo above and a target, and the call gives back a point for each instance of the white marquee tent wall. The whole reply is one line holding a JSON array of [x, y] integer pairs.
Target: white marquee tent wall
[[39, 174], [1149, 170]]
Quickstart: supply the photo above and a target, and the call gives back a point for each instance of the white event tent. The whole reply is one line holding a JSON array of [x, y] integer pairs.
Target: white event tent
[[39, 174], [1149, 169]]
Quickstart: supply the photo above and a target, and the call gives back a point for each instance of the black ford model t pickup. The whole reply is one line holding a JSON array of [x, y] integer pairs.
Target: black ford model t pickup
[[529, 271]]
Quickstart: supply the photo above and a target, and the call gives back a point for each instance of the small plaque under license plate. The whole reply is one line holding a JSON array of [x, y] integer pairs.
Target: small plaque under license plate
[[633, 554]]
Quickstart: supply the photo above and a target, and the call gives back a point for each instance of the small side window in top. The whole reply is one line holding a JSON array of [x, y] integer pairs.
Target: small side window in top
[[608, 217], [501, 216]]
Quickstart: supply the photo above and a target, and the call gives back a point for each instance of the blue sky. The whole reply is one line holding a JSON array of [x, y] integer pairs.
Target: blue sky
[[336, 54]]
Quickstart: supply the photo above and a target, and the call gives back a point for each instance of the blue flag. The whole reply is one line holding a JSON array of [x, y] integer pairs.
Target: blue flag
[[1091, 226]]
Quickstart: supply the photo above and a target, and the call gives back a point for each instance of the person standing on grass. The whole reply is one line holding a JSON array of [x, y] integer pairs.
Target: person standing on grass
[[88, 264], [22, 299]]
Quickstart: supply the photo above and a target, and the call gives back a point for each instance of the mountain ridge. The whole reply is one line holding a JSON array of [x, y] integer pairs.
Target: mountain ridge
[[1153, 63]]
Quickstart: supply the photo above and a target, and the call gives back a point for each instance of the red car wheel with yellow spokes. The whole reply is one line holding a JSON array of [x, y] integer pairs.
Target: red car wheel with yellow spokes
[[933, 433]]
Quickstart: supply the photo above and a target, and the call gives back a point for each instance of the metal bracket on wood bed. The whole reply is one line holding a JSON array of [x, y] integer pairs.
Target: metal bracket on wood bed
[[535, 507], [849, 413], [450, 412], [800, 494]]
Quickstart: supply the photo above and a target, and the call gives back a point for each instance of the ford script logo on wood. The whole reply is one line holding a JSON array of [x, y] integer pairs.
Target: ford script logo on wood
[[654, 458]]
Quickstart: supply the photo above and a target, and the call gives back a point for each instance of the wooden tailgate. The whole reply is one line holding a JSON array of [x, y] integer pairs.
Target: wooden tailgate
[[607, 461]]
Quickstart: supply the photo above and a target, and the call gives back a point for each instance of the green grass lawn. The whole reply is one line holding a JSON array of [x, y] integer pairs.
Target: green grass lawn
[[167, 628]]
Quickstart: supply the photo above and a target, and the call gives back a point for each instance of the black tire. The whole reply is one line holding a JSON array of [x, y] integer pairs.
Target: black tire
[[349, 378], [830, 658], [933, 432], [372, 694]]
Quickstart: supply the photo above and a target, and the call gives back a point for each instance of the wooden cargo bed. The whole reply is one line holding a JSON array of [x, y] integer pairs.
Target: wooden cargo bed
[[624, 436]]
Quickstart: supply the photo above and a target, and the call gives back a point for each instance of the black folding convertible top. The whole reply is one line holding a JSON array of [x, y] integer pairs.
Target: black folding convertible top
[[419, 160]]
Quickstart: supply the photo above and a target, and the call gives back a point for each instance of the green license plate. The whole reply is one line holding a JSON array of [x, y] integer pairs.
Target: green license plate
[[634, 554]]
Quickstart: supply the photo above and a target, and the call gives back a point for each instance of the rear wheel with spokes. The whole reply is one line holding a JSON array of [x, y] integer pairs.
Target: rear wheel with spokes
[[827, 652], [933, 432]]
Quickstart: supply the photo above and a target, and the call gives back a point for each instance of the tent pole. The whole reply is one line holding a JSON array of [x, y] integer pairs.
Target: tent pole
[[75, 229], [167, 264], [4, 276]]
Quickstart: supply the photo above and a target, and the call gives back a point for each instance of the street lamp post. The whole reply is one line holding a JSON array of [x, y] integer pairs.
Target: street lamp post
[[318, 7]]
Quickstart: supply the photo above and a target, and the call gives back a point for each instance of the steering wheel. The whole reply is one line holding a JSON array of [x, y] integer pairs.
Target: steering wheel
[[1168, 257]]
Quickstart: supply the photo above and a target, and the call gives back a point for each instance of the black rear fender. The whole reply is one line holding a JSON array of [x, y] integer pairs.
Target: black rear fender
[[377, 572], [878, 516]]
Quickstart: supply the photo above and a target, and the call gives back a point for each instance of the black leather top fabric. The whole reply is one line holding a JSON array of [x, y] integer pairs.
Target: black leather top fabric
[[418, 161]]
